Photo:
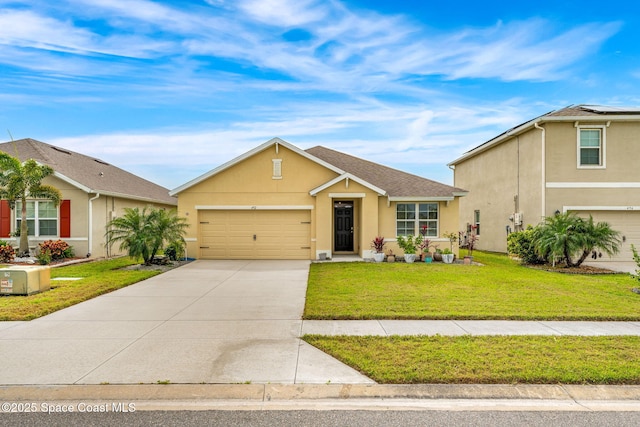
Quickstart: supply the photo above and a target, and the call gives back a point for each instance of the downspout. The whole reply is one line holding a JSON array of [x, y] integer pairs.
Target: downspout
[[90, 237], [543, 175]]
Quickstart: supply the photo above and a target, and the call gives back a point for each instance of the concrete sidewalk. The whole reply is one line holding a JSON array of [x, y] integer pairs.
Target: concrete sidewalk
[[467, 327]]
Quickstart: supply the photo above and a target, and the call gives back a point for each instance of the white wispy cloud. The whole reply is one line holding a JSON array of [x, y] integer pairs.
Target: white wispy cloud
[[345, 48], [418, 139]]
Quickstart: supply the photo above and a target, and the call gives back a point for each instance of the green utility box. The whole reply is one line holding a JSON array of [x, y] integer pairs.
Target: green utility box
[[24, 280]]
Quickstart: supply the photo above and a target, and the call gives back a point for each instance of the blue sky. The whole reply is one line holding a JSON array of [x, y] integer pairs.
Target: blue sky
[[171, 89]]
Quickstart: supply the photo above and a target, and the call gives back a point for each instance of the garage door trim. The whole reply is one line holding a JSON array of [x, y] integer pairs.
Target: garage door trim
[[565, 209], [255, 207]]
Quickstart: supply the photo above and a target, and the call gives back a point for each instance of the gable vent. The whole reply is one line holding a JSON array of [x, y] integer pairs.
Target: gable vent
[[277, 168]]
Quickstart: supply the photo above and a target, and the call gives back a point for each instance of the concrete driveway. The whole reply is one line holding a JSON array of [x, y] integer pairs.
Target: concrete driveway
[[206, 322]]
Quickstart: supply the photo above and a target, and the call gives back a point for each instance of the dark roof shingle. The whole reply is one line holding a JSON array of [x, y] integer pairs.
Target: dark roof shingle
[[95, 174], [396, 183]]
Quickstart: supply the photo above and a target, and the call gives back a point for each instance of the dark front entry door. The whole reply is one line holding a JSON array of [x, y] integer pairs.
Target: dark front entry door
[[343, 218]]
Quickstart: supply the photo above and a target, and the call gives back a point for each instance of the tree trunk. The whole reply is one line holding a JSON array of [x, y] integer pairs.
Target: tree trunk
[[24, 230], [584, 256], [567, 258]]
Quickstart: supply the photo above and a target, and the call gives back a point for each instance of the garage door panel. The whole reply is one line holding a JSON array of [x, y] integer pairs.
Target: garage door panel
[[627, 223], [278, 234]]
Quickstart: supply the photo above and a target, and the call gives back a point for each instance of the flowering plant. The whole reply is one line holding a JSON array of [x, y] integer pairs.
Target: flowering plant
[[426, 242], [472, 238], [57, 249], [7, 253], [378, 244]]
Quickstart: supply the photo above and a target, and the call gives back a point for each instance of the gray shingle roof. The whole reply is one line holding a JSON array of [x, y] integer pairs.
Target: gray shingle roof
[[94, 174], [396, 183], [573, 112], [593, 110]]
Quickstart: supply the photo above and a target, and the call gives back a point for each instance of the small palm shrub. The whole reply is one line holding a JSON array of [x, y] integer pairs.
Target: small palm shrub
[[7, 253]]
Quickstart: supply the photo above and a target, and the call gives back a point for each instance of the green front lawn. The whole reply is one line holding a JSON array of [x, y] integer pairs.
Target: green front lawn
[[499, 289], [98, 277], [488, 359]]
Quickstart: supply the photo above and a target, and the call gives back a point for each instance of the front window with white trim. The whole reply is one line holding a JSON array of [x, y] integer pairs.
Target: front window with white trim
[[591, 147], [42, 217], [412, 217]]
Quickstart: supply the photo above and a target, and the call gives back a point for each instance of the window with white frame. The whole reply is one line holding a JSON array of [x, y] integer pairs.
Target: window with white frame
[[591, 147], [42, 217], [413, 218], [476, 221]]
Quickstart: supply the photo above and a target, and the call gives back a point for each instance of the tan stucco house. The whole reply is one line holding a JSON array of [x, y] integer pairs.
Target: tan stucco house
[[93, 193], [278, 201], [581, 159]]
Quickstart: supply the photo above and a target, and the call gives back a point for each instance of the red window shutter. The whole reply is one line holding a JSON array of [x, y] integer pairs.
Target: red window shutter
[[5, 219], [65, 218]]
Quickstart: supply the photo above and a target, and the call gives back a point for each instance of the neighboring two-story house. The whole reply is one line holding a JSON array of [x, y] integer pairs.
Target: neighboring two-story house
[[93, 193], [581, 159]]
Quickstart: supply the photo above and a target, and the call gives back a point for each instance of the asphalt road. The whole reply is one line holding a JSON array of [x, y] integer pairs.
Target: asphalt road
[[328, 418]]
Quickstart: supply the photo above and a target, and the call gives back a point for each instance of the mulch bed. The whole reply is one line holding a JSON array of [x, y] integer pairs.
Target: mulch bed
[[583, 269], [157, 267]]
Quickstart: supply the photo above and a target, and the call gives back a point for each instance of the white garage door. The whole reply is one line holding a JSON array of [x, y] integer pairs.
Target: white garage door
[[255, 234], [627, 223]]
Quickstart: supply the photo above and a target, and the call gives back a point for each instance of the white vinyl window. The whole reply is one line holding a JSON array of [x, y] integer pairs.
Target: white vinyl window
[[42, 218], [411, 218], [476, 221], [591, 147]]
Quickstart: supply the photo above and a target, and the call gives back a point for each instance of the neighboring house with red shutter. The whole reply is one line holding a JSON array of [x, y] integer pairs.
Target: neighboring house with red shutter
[[93, 193]]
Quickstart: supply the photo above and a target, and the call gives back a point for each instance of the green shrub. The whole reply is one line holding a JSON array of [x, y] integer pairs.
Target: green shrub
[[44, 257], [175, 251], [521, 244], [7, 253], [636, 258], [57, 249]]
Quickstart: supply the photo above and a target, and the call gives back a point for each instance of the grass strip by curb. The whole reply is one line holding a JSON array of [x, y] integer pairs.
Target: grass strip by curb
[[488, 359]]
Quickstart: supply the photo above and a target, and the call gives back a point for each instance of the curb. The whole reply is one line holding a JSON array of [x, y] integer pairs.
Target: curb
[[316, 392]]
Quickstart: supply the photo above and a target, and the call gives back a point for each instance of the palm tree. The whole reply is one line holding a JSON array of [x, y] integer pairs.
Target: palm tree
[[566, 235], [19, 181], [598, 236], [143, 232], [559, 237], [168, 227]]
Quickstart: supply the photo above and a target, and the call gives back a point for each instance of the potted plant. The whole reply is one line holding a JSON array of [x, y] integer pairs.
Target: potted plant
[[425, 252], [472, 238], [447, 256], [390, 256], [378, 245], [410, 245], [453, 236]]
